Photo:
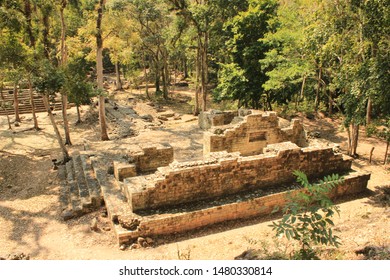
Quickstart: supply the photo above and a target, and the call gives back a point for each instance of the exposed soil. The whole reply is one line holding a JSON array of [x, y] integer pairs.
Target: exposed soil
[[30, 221]]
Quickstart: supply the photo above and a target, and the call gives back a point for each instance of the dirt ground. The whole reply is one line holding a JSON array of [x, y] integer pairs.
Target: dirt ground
[[30, 221]]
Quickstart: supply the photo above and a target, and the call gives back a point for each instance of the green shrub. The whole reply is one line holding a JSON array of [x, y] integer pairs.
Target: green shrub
[[307, 216]]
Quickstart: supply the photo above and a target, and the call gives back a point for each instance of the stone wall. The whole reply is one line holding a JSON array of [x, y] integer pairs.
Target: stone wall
[[254, 132], [143, 158], [224, 174], [212, 118], [165, 224]]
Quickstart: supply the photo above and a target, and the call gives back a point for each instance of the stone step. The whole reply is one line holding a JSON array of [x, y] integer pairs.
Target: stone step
[[64, 189], [118, 210], [75, 204], [91, 181], [81, 182], [80, 191]]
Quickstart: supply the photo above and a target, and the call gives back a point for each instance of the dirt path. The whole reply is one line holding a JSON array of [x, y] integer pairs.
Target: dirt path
[[29, 191]]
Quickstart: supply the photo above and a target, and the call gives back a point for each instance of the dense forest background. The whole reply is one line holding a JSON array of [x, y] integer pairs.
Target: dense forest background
[[329, 56]]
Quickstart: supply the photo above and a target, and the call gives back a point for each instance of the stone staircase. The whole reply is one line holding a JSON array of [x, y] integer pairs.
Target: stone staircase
[[7, 101], [80, 190]]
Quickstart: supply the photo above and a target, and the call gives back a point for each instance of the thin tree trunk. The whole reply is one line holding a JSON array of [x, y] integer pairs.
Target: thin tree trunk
[[197, 86], [99, 70], [118, 76], [145, 76], [369, 111], [46, 41], [157, 77], [57, 132], [36, 127], [317, 100], [16, 103], [166, 74], [355, 138], [185, 68], [27, 14], [204, 70], [78, 114], [386, 153], [2, 97], [64, 96], [64, 101], [349, 141], [9, 122], [330, 109], [302, 88]]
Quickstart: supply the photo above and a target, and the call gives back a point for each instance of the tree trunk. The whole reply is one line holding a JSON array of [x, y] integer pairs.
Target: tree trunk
[[317, 100], [197, 86], [64, 96], [57, 132], [157, 77], [204, 71], [185, 68], [16, 103], [330, 109], [269, 102], [353, 138], [118, 76], [64, 101], [2, 97], [27, 14], [369, 111], [145, 76], [78, 114], [46, 41], [165, 75], [36, 127], [99, 70], [386, 153]]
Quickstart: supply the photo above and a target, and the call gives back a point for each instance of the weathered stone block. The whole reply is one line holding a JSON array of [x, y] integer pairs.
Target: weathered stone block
[[124, 170]]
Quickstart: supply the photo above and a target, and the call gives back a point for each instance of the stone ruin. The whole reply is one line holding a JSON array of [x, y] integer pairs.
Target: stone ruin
[[247, 131], [246, 172]]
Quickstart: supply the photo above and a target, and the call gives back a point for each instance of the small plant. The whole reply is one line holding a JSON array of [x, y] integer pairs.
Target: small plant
[[184, 255], [308, 216]]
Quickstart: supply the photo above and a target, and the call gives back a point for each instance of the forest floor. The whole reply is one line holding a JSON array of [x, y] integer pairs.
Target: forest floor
[[30, 221]]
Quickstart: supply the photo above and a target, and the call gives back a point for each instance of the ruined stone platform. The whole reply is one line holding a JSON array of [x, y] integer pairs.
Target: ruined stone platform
[[147, 193]]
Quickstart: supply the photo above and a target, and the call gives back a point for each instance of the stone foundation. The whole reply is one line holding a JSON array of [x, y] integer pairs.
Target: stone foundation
[[170, 223], [224, 174]]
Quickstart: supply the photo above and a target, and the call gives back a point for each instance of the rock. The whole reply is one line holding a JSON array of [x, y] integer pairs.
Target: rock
[[94, 224], [134, 246], [160, 109], [250, 254], [9, 187], [150, 241], [104, 214], [142, 242], [19, 256], [181, 84], [67, 214], [219, 131], [107, 229], [167, 115], [147, 118], [162, 118], [123, 247], [130, 224], [17, 124]]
